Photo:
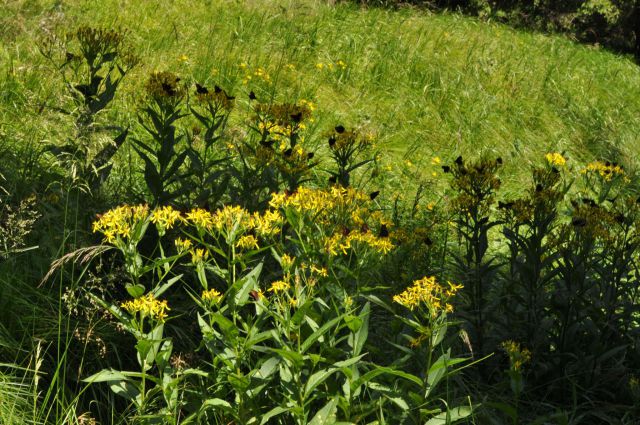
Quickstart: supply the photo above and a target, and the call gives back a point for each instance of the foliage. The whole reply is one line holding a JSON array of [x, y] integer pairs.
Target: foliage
[[254, 273]]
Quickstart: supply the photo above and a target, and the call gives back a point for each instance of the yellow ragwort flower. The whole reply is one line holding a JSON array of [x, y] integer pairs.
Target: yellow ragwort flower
[[211, 296], [165, 217], [607, 170], [429, 293], [279, 286], [517, 355], [183, 245], [198, 255], [119, 222], [247, 242], [201, 218], [555, 159], [147, 306]]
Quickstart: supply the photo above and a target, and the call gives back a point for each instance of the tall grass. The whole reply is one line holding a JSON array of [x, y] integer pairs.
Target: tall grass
[[428, 85], [425, 82]]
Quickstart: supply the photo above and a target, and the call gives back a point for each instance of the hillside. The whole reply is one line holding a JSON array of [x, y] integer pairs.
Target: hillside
[[433, 84]]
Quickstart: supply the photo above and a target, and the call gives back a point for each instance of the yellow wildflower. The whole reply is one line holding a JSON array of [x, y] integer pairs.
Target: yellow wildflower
[[148, 306], [279, 286], [165, 217], [202, 219], [211, 296], [247, 242], [607, 170], [183, 245], [555, 159], [286, 261], [119, 222], [428, 292], [267, 224], [198, 255], [320, 271], [517, 355]]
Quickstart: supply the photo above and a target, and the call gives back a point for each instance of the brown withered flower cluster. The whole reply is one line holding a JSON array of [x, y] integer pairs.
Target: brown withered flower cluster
[[475, 182], [541, 200], [217, 98], [165, 87], [284, 114]]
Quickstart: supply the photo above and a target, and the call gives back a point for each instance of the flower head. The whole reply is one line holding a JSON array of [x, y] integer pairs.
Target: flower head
[[555, 159], [147, 306], [119, 223], [429, 293], [279, 286], [211, 296]]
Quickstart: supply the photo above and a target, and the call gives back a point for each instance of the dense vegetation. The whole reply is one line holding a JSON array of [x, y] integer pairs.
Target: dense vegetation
[[255, 214], [611, 23]]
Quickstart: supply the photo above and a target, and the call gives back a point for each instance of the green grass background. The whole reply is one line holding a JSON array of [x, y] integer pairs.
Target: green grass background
[[426, 84]]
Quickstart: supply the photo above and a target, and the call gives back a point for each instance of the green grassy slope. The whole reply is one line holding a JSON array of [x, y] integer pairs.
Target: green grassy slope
[[429, 84]]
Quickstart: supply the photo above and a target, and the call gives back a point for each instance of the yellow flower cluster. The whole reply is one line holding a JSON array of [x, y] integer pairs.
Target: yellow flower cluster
[[429, 292], [318, 201], [183, 245], [247, 242], [148, 306], [198, 255], [286, 262], [235, 218], [119, 222], [340, 243], [555, 159], [278, 133], [339, 64], [211, 296], [607, 170], [165, 217], [517, 355], [258, 74], [320, 271], [279, 286], [267, 224], [307, 104]]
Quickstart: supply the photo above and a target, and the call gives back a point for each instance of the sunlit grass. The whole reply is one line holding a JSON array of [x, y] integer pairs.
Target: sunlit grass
[[428, 84]]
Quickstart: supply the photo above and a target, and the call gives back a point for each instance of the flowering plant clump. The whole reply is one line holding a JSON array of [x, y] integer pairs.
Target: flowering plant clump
[[606, 170], [428, 293], [119, 223], [518, 356], [147, 306], [555, 159]]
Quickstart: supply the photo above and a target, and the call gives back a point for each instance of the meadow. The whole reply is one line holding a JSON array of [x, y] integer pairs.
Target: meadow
[[300, 212]]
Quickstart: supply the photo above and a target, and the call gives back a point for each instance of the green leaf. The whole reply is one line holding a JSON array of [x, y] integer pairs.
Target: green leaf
[[349, 362], [317, 379], [381, 370], [226, 326], [326, 415], [162, 288], [353, 323], [273, 412], [239, 382], [293, 356], [106, 375], [360, 337], [216, 403], [450, 416], [320, 332], [239, 292], [125, 389], [268, 367], [135, 291]]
